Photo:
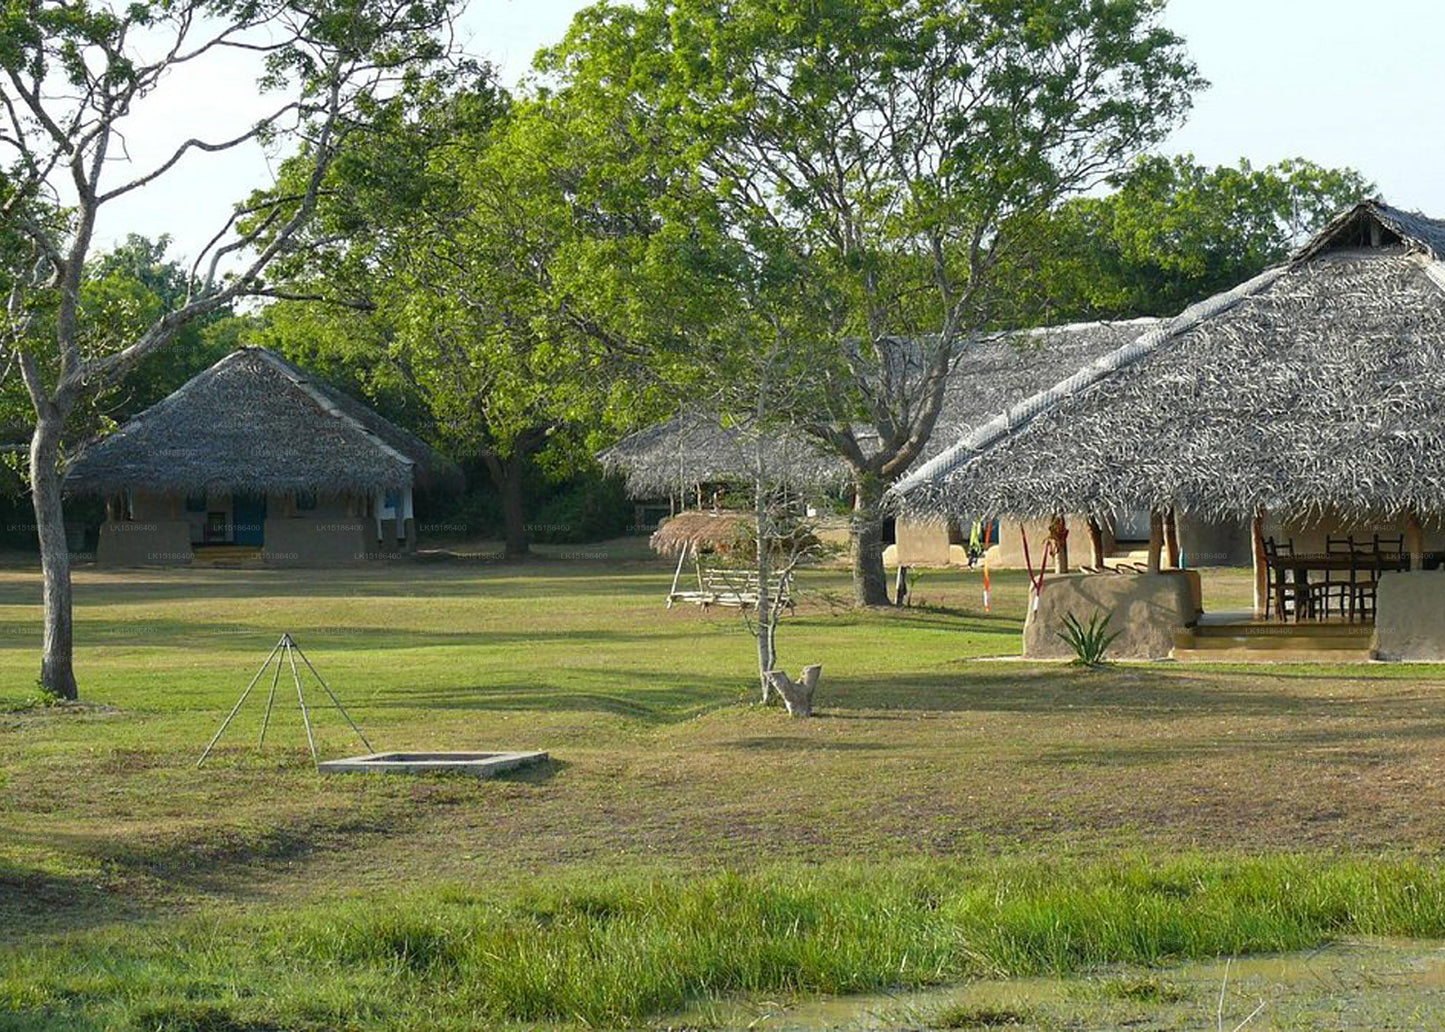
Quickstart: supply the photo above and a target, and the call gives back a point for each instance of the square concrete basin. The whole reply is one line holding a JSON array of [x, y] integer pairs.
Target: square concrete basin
[[478, 764]]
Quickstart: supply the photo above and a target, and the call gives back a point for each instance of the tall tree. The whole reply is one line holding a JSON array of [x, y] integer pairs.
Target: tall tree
[[1172, 232], [452, 274], [71, 73], [862, 167]]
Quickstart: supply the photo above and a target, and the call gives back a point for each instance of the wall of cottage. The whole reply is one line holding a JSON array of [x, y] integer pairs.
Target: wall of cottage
[[152, 528]]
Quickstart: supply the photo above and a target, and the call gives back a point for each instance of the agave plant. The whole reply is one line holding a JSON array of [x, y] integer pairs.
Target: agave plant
[[1089, 641]]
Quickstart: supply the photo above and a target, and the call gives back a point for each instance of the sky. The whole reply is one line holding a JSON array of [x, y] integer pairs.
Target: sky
[[1341, 82]]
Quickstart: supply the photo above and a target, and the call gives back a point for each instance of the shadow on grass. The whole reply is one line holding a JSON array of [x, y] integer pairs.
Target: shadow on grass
[[191, 635], [677, 702], [142, 877], [1129, 690], [790, 743]]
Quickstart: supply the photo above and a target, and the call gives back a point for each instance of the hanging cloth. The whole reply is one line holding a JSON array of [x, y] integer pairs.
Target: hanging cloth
[[987, 535], [1036, 583]]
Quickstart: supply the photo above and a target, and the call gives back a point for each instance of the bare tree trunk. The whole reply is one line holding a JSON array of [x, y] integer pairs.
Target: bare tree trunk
[[57, 670], [1096, 544], [1059, 535], [1156, 540], [767, 619], [870, 581], [1171, 538], [508, 475], [1261, 565]]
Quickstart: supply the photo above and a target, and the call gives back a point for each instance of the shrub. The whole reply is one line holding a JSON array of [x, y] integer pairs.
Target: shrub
[[1089, 641]]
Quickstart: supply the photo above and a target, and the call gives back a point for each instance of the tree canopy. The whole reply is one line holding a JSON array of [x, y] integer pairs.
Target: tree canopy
[[848, 174], [1171, 232]]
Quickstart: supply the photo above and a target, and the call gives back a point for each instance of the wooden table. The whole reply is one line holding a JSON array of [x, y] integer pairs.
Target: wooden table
[[1337, 562]]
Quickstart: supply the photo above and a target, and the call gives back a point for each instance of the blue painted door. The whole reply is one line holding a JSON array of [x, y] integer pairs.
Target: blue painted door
[[248, 519]]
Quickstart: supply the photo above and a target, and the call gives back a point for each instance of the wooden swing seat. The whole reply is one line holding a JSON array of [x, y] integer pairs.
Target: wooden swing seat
[[734, 588]]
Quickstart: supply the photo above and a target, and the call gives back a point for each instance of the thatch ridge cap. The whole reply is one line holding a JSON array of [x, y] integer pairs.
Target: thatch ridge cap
[[1016, 416]]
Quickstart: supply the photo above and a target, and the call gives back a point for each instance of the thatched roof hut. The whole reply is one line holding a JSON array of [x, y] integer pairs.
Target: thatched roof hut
[[1317, 386], [991, 372], [254, 422]]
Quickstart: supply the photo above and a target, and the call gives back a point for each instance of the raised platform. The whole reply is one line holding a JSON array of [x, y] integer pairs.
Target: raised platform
[[1244, 637], [477, 764]]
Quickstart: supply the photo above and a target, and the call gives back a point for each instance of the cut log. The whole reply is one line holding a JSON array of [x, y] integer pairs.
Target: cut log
[[797, 695]]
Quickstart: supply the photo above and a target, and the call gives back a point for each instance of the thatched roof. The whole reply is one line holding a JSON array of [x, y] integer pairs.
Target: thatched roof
[[991, 372], [255, 422], [1318, 385], [718, 532]]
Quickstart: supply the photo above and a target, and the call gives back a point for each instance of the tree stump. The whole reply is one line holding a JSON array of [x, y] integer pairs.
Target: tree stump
[[797, 695]]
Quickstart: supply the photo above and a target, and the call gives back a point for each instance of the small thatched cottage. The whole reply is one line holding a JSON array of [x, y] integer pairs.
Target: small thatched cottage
[[678, 459], [1306, 403], [256, 457]]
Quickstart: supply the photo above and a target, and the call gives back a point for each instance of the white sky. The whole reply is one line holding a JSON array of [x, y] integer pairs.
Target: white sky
[[1337, 81]]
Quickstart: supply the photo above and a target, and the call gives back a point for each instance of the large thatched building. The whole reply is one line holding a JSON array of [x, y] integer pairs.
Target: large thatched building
[[676, 461], [254, 456], [1306, 403]]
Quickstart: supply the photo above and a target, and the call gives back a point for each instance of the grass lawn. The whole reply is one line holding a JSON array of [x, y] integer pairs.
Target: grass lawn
[[944, 817]]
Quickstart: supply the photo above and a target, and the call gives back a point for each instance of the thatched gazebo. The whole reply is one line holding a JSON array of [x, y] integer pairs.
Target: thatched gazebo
[[678, 459], [1307, 403], [722, 547], [256, 456], [687, 533]]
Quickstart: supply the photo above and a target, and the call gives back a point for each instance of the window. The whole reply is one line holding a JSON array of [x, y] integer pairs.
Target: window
[[196, 502], [305, 501], [392, 501]]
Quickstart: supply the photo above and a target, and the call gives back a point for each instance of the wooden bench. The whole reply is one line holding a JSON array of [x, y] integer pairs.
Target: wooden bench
[[736, 588]]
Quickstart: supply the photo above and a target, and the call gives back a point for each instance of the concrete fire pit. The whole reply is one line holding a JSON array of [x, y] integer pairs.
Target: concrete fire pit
[[478, 764]]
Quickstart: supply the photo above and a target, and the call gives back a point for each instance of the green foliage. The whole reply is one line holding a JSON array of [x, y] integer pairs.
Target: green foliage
[[1089, 641], [566, 509], [1172, 232], [820, 179], [449, 247], [587, 507]]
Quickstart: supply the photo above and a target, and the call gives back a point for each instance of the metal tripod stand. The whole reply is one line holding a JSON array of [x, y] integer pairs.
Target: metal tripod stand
[[286, 650]]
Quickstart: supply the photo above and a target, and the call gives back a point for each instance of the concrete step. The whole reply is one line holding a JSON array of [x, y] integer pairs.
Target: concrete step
[[226, 555], [1263, 630], [1277, 655], [1270, 643]]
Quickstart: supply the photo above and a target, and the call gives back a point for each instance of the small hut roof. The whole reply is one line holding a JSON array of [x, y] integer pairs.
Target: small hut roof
[[992, 371], [1318, 385], [718, 531], [694, 447], [255, 422]]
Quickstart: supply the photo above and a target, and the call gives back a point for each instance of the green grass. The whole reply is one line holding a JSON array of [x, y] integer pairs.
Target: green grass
[[942, 817], [625, 949]]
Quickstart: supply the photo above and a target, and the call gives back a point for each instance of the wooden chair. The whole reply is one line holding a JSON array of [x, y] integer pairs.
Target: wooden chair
[[1390, 547], [1336, 587], [1288, 595], [1388, 556]]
